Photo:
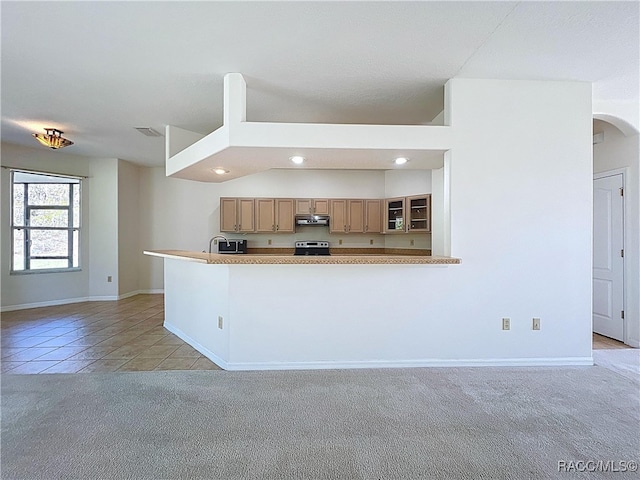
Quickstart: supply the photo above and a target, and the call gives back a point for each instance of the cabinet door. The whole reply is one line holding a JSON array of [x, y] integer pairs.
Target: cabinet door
[[373, 216], [321, 207], [265, 215], [394, 217], [228, 214], [419, 213], [355, 216], [284, 215], [304, 206], [246, 215], [338, 220]]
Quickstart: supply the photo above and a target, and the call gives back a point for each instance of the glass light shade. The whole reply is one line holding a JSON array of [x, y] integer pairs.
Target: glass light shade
[[52, 139]]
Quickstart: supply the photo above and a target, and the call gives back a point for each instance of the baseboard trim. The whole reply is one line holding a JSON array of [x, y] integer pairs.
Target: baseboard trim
[[140, 292], [50, 303], [66, 301], [431, 363], [204, 351], [512, 362]]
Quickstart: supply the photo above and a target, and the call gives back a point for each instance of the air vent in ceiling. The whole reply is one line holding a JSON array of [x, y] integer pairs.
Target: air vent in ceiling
[[149, 132]]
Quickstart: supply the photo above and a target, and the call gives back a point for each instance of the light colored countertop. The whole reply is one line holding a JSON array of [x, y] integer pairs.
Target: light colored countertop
[[268, 259]]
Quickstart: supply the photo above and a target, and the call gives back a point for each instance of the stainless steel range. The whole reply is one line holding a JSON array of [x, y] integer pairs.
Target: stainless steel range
[[311, 248]]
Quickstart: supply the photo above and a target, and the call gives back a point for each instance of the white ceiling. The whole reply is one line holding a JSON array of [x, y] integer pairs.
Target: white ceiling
[[96, 70]]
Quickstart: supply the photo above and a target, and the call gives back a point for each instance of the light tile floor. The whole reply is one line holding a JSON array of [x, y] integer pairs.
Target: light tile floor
[[126, 335]]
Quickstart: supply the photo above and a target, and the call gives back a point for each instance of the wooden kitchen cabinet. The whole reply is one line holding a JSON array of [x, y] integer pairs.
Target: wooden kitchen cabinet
[[347, 216], [306, 206], [237, 215], [265, 215], [418, 213], [338, 216], [284, 215], [274, 215], [373, 216], [408, 214], [394, 215]]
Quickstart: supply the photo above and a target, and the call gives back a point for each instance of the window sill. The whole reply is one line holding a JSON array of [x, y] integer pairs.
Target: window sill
[[44, 270]]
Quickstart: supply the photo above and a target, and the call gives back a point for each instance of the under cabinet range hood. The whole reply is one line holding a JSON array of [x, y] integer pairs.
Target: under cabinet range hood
[[322, 220]]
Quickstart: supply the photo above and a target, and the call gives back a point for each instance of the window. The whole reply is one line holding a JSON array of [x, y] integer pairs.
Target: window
[[45, 222]]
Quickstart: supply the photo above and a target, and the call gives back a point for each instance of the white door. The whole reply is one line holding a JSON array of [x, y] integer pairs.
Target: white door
[[608, 262]]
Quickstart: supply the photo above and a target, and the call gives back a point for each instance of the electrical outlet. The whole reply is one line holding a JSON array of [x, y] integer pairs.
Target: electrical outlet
[[371, 242], [506, 323], [109, 279], [411, 242], [536, 324], [215, 242], [220, 322], [340, 242], [269, 242]]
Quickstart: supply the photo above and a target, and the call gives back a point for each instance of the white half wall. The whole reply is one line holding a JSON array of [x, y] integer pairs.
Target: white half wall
[[620, 152]]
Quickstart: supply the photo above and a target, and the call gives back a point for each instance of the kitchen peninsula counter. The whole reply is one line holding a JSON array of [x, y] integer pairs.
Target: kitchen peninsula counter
[[260, 311], [279, 259]]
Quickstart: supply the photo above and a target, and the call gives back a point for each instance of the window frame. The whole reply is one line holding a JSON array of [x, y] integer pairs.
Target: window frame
[[27, 228]]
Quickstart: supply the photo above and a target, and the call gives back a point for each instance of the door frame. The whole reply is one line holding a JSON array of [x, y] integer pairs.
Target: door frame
[[610, 173]]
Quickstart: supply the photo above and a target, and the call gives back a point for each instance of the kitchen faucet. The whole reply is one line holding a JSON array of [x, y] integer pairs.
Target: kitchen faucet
[[217, 236]]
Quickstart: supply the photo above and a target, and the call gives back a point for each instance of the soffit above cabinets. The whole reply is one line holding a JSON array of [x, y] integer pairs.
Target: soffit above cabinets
[[242, 148]]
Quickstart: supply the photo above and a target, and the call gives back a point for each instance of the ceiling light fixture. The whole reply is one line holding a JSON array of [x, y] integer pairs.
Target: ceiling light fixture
[[220, 171], [52, 139], [297, 159], [401, 160]]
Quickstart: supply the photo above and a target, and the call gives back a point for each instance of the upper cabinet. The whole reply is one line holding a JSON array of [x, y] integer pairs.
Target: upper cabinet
[[408, 214], [274, 215], [237, 215], [419, 213], [346, 216], [284, 215], [394, 215], [372, 216], [306, 206]]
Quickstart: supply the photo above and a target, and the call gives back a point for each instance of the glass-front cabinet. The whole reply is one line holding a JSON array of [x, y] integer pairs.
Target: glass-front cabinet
[[394, 215], [419, 213], [408, 214]]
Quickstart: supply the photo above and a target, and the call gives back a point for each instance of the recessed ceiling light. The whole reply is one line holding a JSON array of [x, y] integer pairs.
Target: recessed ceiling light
[[297, 159], [401, 160], [219, 171]]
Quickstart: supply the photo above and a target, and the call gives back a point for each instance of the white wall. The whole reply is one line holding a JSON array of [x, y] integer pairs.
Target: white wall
[[520, 178], [42, 288], [129, 253], [622, 152], [174, 214], [401, 183], [103, 228]]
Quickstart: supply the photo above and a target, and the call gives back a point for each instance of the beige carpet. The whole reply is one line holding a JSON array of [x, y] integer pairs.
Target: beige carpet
[[448, 423]]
